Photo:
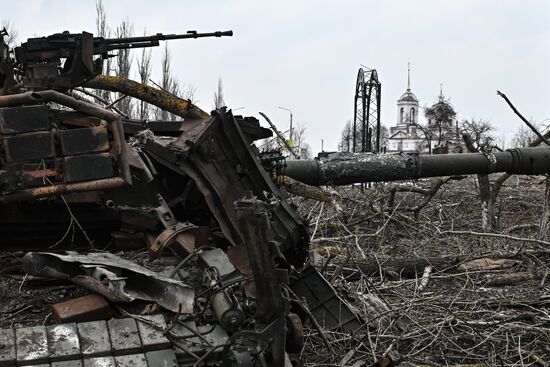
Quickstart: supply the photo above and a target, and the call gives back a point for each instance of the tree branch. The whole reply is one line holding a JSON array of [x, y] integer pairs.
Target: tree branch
[[534, 129], [279, 135], [161, 99]]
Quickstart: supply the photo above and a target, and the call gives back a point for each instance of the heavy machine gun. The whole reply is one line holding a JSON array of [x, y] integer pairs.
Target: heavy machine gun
[[66, 60]]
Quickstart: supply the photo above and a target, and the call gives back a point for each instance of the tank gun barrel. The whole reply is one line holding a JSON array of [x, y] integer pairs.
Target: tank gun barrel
[[349, 168]]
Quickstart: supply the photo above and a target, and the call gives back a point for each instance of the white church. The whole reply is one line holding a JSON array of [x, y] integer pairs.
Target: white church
[[410, 136]]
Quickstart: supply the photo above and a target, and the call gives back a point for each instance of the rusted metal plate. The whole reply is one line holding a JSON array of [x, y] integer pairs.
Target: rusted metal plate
[[27, 147], [238, 255], [254, 223], [88, 167], [325, 304], [146, 219], [86, 140], [14, 120], [73, 118], [218, 157]]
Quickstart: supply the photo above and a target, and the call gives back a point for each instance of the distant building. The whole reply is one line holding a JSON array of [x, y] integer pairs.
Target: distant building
[[440, 135], [406, 135]]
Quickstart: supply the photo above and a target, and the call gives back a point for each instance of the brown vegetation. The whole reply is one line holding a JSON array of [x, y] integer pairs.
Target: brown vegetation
[[433, 286]]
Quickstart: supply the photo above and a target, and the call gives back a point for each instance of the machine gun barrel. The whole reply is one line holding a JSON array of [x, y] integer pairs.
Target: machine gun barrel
[[349, 168], [151, 41], [65, 60]]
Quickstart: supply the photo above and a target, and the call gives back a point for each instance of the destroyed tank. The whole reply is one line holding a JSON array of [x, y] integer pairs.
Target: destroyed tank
[[349, 168], [76, 175]]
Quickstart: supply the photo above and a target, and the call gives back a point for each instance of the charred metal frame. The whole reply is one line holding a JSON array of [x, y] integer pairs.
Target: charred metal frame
[[119, 148], [217, 156], [367, 105]]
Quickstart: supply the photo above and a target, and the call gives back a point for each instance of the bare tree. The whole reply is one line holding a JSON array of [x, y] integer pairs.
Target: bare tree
[[523, 135], [219, 100], [101, 19], [174, 89], [103, 31], [144, 71], [384, 135], [442, 114], [487, 212], [346, 138], [168, 83], [480, 132], [190, 93], [301, 147], [166, 78], [11, 39], [478, 137], [124, 64]]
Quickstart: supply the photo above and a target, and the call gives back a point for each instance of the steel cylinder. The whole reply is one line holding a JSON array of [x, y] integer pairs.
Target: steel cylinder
[[229, 314], [349, 168]]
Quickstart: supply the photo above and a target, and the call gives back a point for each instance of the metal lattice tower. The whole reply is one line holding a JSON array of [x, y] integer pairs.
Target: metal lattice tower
[[366, 115]]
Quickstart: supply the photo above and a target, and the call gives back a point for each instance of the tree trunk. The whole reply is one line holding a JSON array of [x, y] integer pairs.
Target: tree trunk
[[403, 267], [154, 96], [543, 229], [487, 214], [502, 178]]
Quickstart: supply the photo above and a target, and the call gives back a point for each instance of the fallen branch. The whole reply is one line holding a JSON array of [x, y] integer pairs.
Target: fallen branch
[[499, 235], [508, 280], [279, 135], [305, 191], [425, 278], [161, 99], [403, 267]]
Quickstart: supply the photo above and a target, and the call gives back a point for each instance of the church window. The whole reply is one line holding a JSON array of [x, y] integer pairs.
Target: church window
[[412, 115], [401, 116]]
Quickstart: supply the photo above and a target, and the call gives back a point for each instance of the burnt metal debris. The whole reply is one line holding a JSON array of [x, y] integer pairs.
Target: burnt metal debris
[[116, 279], [198, 189]]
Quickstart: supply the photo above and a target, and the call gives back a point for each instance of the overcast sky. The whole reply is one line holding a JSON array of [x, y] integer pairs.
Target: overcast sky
[[304, 55]]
